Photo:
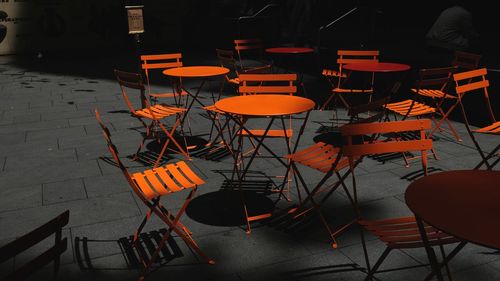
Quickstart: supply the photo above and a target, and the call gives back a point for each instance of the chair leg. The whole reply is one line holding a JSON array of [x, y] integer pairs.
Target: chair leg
[[176, 227], [373, 270], [170, 137], [146, 136], [489, 156]]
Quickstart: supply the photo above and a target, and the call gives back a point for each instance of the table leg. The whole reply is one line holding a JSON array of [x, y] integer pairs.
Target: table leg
[[436, 269]]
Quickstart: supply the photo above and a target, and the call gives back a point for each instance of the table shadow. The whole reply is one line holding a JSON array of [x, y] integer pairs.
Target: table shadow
[[224, 207]]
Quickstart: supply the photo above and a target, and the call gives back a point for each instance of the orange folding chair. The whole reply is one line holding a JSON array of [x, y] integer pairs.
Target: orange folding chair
[[474, 81], [339, 79], [432, 90], [155, 113], [329, 160], [32, 239], [356, 151], [150, 186], [162, 62], [250, 53]]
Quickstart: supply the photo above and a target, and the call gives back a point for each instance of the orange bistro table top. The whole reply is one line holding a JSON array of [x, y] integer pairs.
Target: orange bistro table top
[[377, 67], [464, 204], [196, 71], [265, 105]]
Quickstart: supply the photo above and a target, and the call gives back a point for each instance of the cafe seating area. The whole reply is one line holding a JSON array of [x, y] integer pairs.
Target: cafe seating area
[[252, 180]]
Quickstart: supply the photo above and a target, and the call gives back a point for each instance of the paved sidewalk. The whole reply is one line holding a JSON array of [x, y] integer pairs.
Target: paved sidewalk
[[53, 158]]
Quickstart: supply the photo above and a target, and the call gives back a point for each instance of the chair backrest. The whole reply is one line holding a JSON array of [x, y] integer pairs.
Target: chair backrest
[[252, 47], [435, 78], [159, 61], [355, 56], [127, 81], [267, 84], [23, 243], [473, 81], [465, 60], [392, 145], [114, 152], [227, 60]]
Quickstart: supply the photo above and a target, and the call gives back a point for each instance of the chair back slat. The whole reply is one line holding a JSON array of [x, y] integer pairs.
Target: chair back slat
[[267, 89], [163, 65], [470, 74], [473, 81], [267, 84], [385, 127], [268, 77], [247, 44], [472, 86], [387, 147]]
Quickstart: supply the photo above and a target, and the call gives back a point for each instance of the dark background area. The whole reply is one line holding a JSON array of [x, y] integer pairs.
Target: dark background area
[[197, 27]]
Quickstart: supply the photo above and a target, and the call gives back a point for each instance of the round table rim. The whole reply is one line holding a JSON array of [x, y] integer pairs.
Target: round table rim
[[401, 66], [223, 70], [310, 107], [414, 184]]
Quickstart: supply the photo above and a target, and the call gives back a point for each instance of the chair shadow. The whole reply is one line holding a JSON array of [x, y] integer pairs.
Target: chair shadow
[[147, 245]]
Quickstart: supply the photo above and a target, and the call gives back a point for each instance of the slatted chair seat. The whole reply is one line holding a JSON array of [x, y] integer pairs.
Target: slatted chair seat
[[410, 108], [403, 233], [491, 129], [320, 156], [166, 179], [433, 93], [159, 111]]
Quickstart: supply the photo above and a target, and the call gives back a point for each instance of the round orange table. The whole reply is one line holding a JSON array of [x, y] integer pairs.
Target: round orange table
[[465, 204], [273, 107], [265, 105], [204, 72], [196, 71], [377, 67]]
